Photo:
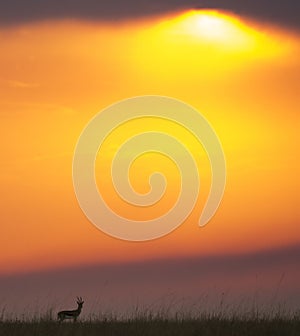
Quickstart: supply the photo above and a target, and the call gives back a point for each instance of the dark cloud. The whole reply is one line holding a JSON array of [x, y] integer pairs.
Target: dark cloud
[[19, 11], [275, 274]]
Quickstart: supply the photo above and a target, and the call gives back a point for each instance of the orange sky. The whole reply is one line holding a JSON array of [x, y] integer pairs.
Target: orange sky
[[243, 77]]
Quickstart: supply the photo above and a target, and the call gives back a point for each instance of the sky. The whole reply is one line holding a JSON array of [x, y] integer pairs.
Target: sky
[[237, 64], [17, 11]]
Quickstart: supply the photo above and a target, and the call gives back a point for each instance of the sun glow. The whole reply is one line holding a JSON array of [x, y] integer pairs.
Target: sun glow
[[211, 26], [224, 31]]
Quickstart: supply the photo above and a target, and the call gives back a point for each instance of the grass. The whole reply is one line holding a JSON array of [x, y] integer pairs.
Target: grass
[[156, 325]]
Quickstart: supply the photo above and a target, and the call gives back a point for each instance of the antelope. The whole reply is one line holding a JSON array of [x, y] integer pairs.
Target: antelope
[[71, 314]]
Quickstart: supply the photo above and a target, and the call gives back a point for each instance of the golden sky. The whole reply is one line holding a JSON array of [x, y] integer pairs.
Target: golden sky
[[56, 75]]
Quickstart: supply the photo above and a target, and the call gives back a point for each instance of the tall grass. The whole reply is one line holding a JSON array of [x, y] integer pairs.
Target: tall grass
[[146, 322]]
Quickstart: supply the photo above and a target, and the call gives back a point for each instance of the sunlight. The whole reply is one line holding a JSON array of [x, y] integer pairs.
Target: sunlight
[[210, 40], [210, 25], [215, 28]]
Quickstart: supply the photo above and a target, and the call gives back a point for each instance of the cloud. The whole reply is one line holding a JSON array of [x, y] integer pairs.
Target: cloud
[[274, 274], [22, 85], [20, 11]]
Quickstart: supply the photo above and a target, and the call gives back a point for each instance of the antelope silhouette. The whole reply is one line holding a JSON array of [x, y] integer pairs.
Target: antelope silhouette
[[71, 314]]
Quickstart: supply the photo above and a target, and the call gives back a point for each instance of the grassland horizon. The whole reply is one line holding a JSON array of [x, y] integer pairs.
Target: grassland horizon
[[143, 322]]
